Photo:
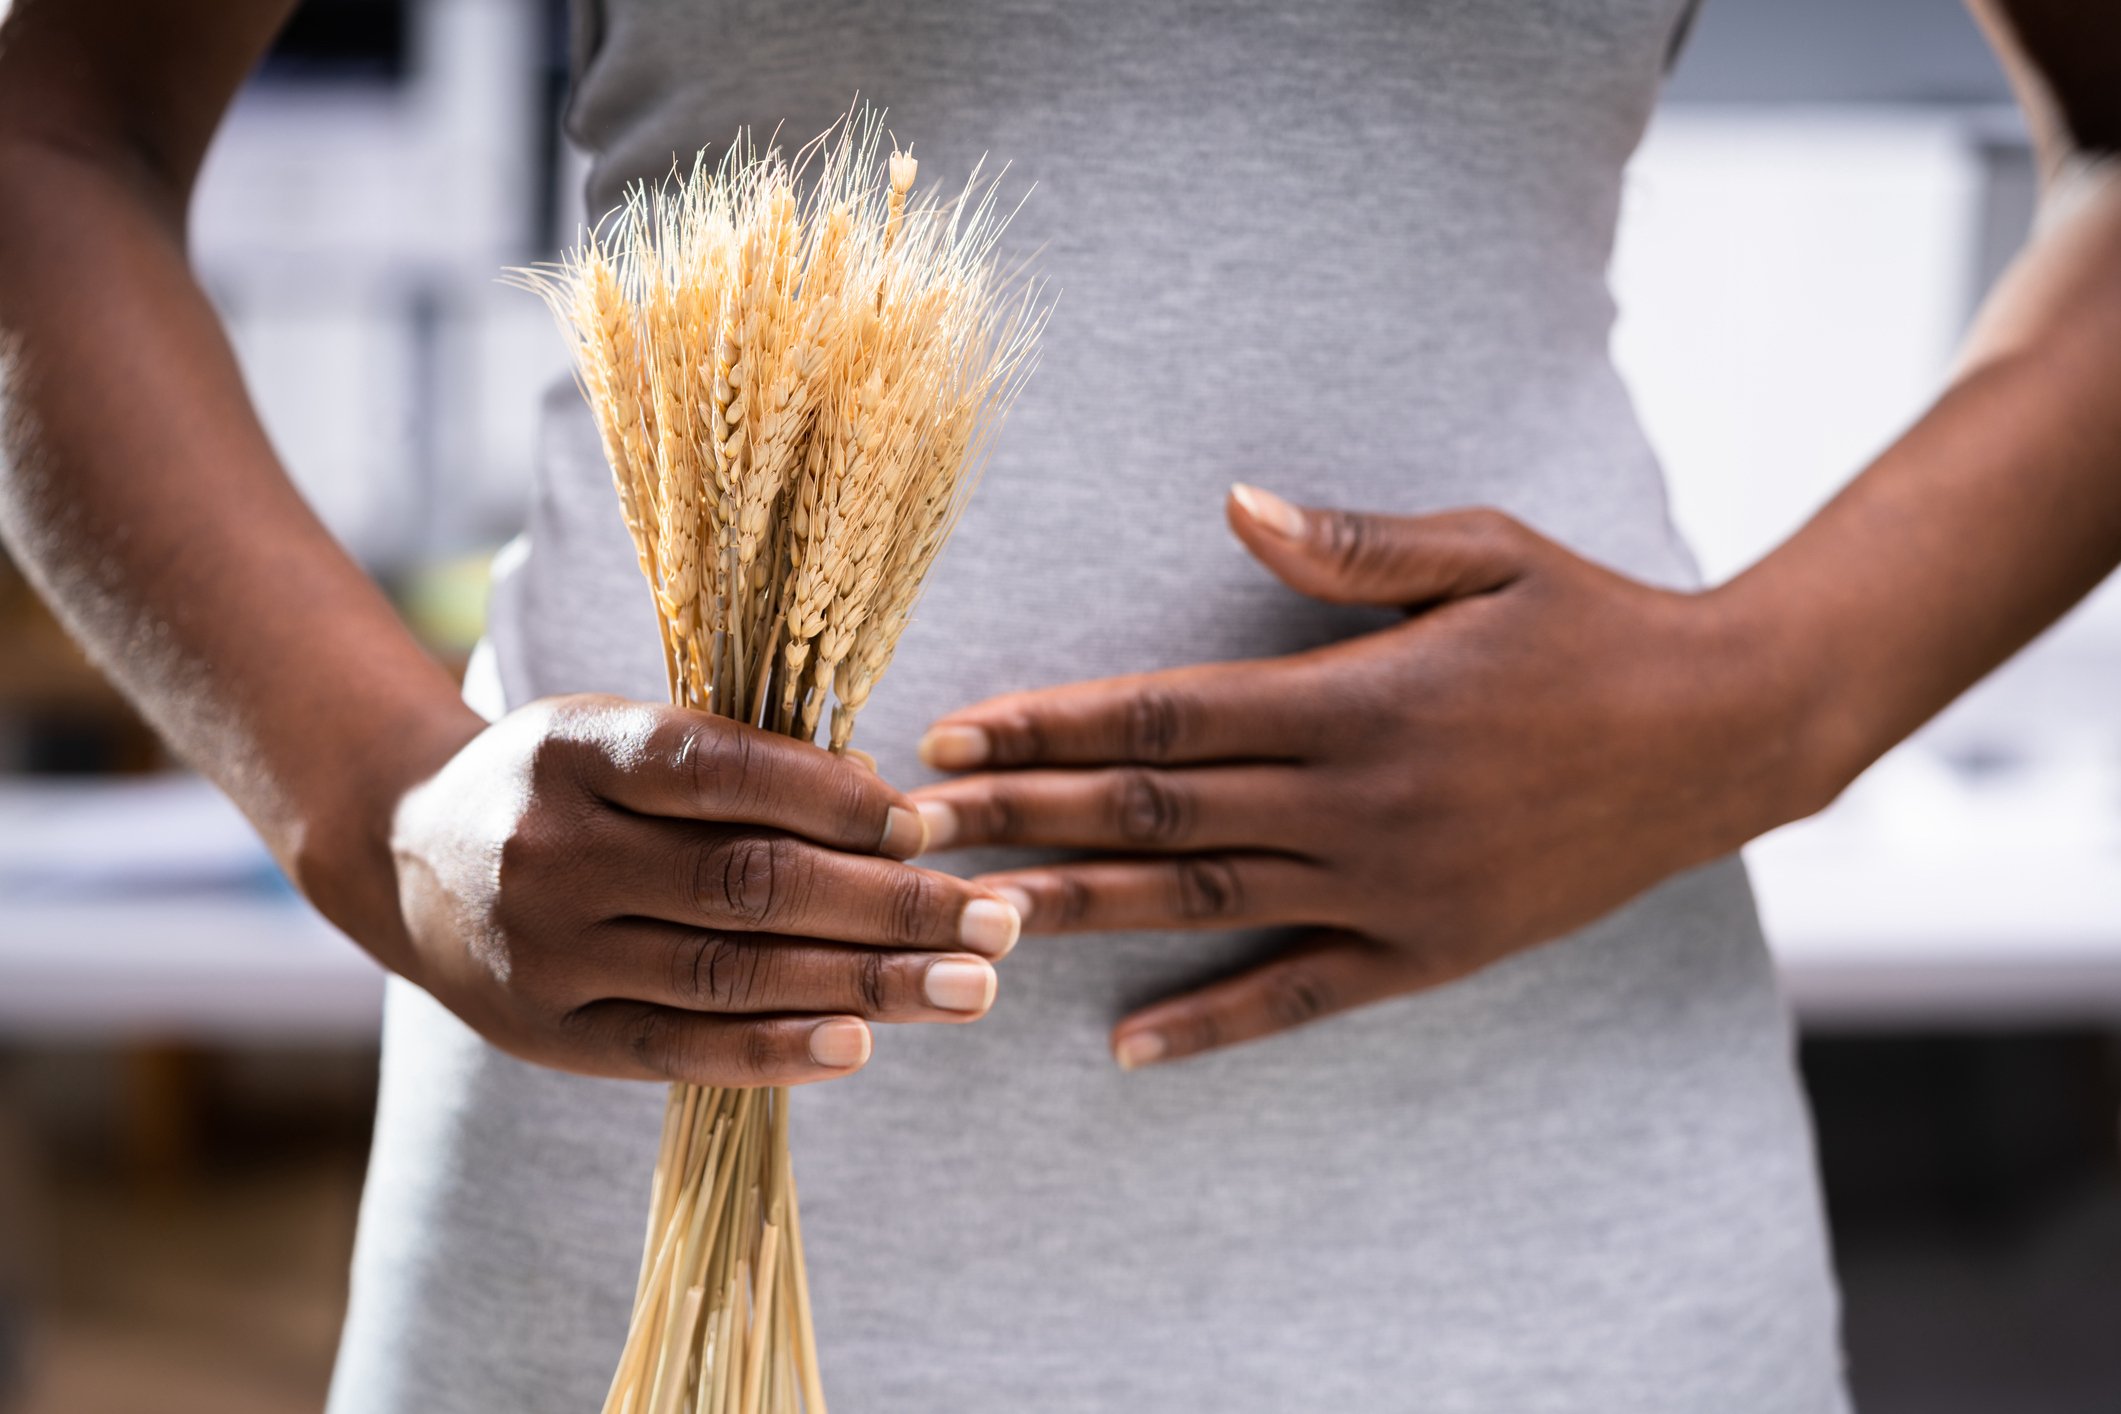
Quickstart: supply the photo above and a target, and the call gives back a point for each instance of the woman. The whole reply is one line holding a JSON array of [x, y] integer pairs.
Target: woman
[[1354, 252]]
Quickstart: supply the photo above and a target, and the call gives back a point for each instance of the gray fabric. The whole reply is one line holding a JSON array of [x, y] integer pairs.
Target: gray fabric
[[1354, 251]]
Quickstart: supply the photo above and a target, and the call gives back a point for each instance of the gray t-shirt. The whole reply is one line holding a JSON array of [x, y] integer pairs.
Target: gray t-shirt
[[1355, 251]]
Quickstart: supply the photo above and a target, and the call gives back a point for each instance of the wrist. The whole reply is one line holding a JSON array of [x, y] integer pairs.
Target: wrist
[[341, 859], [1805, 737]]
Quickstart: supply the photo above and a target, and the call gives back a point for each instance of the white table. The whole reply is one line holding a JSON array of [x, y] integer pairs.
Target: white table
[[233, 968], [1924, 900], [146, 911]]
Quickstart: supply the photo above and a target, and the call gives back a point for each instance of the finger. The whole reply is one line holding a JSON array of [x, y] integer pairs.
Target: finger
[[1347, 557], [1324, 974], [763, 881], [1211, 712], [667, 761], [750, 973], [1117, 808], [641, 1041], [1221, 890]]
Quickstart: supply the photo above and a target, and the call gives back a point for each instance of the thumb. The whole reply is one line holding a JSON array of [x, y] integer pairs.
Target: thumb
[[1347, 557]]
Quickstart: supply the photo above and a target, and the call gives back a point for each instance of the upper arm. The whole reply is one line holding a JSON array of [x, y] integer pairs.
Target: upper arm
[[141, 85], [2064, 61]]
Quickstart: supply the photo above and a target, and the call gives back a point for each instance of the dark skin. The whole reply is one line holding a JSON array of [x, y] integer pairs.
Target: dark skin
[[626, 889], [1543, 739], [614, 888], [1251, 794]]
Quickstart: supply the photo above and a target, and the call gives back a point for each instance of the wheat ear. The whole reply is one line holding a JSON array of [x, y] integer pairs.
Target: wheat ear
[[795, 388]]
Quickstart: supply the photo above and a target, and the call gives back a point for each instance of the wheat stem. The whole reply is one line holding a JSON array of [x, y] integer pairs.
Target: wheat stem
[[795, 387]]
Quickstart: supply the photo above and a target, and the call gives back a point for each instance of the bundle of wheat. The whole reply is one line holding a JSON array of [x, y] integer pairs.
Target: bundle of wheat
[[797, 366]]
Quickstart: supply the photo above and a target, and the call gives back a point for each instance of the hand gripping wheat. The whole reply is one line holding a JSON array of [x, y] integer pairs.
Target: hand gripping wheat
[[797, 366]]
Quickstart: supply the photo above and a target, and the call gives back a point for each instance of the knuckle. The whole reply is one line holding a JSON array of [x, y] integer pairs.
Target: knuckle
[[541, 967], [1491, 525], [910, 903], [741, 877], [1492, 541], [999, 817], [1296, 994], [713, 971], [693, 744], [1206, 888], [522, 856], [531, 855], [1071, 901], [1151, 808], [1400, 809], [1347, 540], [856, 800], [720, 764], [872, 982], [557, 756], [1020, 740], [1157, 720]]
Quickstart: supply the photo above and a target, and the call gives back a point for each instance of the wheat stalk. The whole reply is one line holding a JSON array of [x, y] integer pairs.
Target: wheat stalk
[[797, 367]]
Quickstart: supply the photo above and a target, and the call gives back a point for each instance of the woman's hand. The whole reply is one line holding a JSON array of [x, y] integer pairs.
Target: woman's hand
[[630, 890], [1540, 740]]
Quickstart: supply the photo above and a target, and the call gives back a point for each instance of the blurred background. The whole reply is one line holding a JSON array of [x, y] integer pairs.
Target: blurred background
[[187, 1054]]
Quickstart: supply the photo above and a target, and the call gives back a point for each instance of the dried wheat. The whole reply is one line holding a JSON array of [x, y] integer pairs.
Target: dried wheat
[[796, 384]]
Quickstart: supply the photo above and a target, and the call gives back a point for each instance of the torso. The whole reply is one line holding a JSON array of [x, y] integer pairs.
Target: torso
[[1352, 251]]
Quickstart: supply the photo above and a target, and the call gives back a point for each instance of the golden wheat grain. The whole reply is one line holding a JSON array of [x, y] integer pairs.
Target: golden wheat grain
[[795, 389]]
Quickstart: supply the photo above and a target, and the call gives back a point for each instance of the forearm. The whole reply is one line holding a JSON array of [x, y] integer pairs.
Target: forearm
[[1979, 527], [142, 496]]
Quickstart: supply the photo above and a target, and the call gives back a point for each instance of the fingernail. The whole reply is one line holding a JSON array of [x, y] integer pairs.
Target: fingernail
[[1271, 511], [905, 832], [989, 926], [959, 984], [941, 820], [955, 748], [839, 1043], [1018, 900], [1140, 1049]]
